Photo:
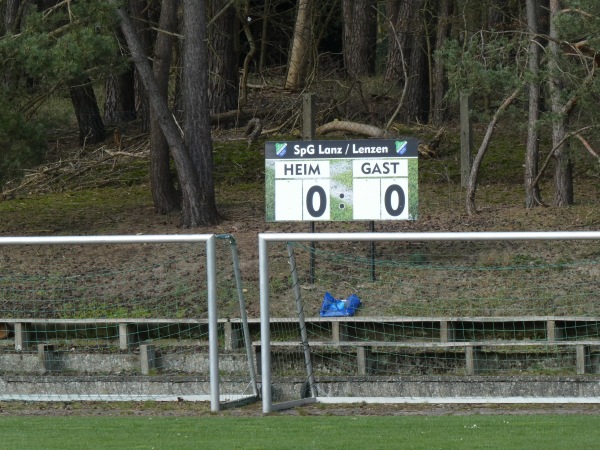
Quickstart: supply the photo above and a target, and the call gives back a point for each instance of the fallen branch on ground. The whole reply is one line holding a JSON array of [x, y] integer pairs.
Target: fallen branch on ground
[[93, 169], [431, 149], [354, 128]]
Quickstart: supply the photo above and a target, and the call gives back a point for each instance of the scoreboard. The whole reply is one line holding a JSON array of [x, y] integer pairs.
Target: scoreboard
[[374, 179]]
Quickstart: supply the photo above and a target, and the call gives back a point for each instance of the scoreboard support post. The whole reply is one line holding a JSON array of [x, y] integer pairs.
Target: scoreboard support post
[[372, 229], [312, 263], [309, 134]]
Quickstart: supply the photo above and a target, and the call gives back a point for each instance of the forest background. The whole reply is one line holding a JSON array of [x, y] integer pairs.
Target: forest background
[[177, 90]]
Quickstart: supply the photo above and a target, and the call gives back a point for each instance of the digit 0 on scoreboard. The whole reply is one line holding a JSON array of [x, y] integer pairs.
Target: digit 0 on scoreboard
[[302, 190], [381, 199], [380, 189], [316, 202], [302, 200], [362, 180]]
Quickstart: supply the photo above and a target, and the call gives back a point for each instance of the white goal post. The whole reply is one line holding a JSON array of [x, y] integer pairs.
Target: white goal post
[[309, 392]]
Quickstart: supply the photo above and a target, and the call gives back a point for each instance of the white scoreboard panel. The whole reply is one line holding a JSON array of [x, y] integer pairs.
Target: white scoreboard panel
[[341, 180]]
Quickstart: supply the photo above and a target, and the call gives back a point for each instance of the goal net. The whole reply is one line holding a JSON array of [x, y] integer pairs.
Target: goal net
[[494, 317], [124, 318]]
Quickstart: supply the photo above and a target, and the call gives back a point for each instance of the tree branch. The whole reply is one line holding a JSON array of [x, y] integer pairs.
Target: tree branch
[[581, 12], [405, 73], [587, 145], [472, 185], [556, 147]]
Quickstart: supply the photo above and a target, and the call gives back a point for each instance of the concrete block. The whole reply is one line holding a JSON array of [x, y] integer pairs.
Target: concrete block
[[147, 358], [127, 336], [583, 360], [21, 337], [339, 331], [472, 357], [554, 332], [446, 331], [49, 359], [364, 359], [233, 336]]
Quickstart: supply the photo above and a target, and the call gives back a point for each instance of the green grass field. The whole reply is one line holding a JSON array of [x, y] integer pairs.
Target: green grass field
[[290, 432]]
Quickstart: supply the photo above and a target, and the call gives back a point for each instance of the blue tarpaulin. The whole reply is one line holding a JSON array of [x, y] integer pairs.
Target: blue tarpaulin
[[333, 307]]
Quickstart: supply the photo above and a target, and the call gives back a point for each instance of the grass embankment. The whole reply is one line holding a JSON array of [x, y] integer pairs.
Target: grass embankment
[[122, 204]]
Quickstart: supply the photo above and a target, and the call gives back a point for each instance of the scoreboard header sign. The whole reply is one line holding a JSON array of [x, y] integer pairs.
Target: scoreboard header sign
[[374, 179]]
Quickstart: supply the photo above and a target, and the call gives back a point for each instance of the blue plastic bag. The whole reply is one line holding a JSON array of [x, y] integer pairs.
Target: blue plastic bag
[[332, 307]]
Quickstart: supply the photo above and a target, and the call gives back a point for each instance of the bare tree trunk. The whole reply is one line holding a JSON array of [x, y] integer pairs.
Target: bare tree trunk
[[264, 36], [300, 54], [202, 210], [188, 177], [91, 128], [359, 36], [222, 62], [89, 120], [416, 106], [243, 95], [138, 10], [119, 93], [177, 68], [532, 190], [399, 17], [13, 14], [119, 98], [164, 195], [409, 32], [498, 15], [563, 169], [438, 113]]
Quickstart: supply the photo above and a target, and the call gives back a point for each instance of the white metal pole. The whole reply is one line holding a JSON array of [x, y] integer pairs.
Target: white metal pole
[[301, 321], [265, 338], [213, 337], [243, 315], [449, 236], [109, 239]]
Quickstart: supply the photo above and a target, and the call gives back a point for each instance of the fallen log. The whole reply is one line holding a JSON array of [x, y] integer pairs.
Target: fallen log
[[230, 116], [354, 128]]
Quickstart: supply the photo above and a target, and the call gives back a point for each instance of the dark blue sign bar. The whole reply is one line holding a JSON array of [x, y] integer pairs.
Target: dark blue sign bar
[[353, 149]]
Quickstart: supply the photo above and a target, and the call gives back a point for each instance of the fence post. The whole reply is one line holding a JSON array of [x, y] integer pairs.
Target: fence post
[[308, 117], [309, 134], [466, 138]]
